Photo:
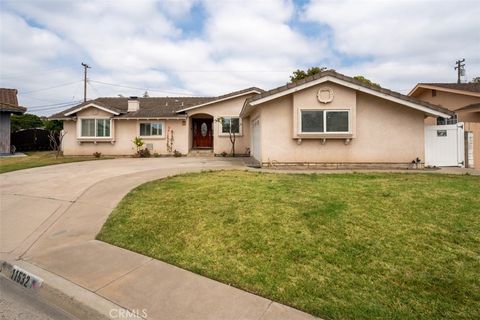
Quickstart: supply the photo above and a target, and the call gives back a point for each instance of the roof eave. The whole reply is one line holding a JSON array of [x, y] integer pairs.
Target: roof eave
[[219, 100], [326, 78], [92, 104], [439, 88]]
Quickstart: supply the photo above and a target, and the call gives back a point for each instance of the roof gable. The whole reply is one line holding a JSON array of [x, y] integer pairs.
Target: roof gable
[[468, 89], [225, 97], [92, 104], [332, 76], [9, 101]]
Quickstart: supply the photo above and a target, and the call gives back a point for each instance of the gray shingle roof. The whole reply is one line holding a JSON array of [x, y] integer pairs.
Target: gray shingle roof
[[149, 107], [152, 107], [470, 87], [340, 76]]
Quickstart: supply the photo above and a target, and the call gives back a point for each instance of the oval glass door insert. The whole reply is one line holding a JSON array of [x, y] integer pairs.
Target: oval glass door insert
[[204, 129]]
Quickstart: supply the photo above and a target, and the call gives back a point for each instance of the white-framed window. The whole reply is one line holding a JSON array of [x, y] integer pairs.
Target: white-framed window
[[324, 121], [230, 125], [151, 129], [95, 128]]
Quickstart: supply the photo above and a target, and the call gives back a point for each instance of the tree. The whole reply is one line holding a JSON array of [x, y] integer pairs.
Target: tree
[[146, 95], [367, 81], [232, 129], [301, 74], [475, 80], [25, 121], [56, 138], [53, 125]]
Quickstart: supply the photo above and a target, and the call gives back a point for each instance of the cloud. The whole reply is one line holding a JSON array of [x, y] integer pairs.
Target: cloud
[[211, 47], [405, 41]]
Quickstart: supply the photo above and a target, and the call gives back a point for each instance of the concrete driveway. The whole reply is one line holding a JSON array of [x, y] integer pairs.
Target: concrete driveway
[[49, 218], [33, 200]]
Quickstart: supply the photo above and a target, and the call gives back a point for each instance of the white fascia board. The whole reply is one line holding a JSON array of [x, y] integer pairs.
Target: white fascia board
[[433, 87], [91, 105], [219, 100], [355, 87], [151, 118]]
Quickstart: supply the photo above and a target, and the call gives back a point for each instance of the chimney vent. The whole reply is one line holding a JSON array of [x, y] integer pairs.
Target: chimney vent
[[133, 104]]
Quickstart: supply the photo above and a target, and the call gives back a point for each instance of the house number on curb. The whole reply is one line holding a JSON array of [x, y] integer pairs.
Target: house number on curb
[[25, 278]]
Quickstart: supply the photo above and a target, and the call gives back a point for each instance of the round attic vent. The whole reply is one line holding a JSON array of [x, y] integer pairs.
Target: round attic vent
[[325, 95]]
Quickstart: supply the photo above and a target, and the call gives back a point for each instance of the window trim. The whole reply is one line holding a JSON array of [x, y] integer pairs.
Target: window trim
[[226, 134], [161, 122], [94, 137], [325, 132]]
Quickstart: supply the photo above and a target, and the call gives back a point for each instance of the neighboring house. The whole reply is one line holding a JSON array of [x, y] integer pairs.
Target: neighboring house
[[8, 105], [461, 98], [326, 119]]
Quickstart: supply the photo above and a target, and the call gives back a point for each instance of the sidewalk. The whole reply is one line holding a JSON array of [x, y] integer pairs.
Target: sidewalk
[[68, 249]]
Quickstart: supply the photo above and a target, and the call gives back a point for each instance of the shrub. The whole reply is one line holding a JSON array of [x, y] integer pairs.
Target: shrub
[[177, 153], [97, 154], [156, 155], [224, 154], [138, 142], [143, 153]]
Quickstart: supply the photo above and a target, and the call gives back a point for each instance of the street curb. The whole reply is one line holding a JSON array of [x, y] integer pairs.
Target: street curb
[[67, 296]]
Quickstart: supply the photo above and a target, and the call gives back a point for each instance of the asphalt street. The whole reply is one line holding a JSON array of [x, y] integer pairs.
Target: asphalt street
[[17, 303]]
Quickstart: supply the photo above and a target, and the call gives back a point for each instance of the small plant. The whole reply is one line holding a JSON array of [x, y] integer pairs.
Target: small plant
[[156, 154], [143, 153], [224, 154], [416, 163], [97, 154], [138, 142], [177, 153], [231, 132]]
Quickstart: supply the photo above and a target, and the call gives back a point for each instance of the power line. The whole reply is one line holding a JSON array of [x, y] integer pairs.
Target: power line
[[53, 106], [138, 88], [49, 88]]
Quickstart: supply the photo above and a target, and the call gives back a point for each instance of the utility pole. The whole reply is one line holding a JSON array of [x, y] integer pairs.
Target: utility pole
[[459, 68], [85, 67]]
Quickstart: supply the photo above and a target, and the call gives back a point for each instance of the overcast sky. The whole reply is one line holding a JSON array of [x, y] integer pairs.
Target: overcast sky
[[212, 47]]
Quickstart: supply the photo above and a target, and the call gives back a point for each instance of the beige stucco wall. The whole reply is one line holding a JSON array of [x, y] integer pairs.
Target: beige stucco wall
[[449, 100], [386, 132], [123, 133], [344, 99], [221, 142]]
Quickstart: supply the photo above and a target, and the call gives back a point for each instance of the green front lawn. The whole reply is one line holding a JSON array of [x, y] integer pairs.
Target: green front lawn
[[39, 159], [339, 246]]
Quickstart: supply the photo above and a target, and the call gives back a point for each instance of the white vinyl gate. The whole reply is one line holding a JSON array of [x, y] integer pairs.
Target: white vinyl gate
[[256, 150], [444, 145]]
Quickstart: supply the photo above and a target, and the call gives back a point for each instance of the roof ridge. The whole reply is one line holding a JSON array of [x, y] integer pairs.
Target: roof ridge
[[335, 74]]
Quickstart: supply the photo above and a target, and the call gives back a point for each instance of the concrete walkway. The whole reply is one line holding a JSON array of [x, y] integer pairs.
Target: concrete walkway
[[50, 216]]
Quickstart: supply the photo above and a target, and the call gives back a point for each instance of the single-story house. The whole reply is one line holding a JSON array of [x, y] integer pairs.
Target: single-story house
[[8, 106], [464, 100], [326, 119]]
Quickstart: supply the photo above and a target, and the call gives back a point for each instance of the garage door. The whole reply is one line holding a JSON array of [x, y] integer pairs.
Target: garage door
[[256, 150], [444, 145]]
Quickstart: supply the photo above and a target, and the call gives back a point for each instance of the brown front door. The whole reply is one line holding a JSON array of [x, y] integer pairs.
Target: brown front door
[[202, 133]]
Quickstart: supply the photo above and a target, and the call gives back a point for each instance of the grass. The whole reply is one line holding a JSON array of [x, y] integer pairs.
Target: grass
[[39, 159], [339, 246]]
